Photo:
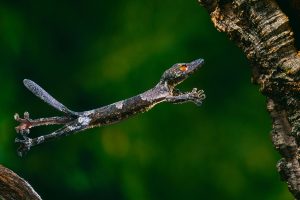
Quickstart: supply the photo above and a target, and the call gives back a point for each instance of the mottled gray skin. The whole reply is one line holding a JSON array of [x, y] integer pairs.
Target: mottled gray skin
[[74, 122]]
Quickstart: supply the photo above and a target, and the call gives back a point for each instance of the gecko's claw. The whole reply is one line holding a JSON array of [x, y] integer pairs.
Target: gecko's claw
[[25, 124]]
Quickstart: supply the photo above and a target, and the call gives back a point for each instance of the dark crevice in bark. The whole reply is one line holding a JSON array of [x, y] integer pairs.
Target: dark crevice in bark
[[292, 9]]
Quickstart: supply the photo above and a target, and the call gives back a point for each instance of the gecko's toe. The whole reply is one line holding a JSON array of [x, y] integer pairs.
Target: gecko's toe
[[26, 115], [197, 94]]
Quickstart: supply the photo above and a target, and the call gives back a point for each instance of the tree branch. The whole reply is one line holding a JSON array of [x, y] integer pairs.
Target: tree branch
[[263, 32], [14, 187]]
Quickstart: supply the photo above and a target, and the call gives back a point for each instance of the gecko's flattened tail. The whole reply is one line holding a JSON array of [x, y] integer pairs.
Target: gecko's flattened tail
[[46, 97]]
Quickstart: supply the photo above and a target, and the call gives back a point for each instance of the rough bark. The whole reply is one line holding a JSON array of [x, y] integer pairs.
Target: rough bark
[[263, 32], [13, 187], [292, 9]]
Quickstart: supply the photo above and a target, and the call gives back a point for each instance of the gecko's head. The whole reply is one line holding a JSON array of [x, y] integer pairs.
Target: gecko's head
[[180, 71]]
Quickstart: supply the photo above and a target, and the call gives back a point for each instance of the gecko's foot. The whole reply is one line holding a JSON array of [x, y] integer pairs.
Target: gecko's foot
[[25, 145], [196, 96], [25, 124]]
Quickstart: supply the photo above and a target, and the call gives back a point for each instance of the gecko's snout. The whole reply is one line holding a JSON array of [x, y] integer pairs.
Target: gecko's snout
[[196, 64], [180, 71]]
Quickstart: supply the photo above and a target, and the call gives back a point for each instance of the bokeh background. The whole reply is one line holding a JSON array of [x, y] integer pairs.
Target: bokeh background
[[91, 53]]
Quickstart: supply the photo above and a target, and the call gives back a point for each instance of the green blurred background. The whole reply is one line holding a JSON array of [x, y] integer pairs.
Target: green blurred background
[[92, 53]]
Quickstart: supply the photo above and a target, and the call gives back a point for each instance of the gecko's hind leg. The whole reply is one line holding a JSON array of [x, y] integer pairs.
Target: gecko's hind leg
[[70, 128], [26, 123]]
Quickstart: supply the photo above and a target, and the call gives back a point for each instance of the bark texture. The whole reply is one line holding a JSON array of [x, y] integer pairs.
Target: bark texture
[[262, 30], [13, 187]]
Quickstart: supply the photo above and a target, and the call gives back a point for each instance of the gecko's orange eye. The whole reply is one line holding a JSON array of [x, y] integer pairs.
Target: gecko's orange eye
[[183, 68]]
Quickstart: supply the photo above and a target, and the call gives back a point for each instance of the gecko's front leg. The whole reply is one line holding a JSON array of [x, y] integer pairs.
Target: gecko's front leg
[[196, 96]]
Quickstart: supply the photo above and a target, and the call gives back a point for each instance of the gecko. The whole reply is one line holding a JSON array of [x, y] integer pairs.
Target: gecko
[[72, 122]]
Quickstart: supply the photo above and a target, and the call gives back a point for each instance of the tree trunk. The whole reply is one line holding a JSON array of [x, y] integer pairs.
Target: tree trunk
[[262, 31], [13, 187]]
